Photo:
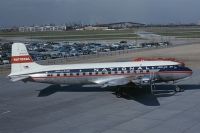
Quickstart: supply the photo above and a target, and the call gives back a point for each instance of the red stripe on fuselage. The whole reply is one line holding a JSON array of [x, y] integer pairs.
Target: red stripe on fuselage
[[128, 74], [21, 59], [190, 72]]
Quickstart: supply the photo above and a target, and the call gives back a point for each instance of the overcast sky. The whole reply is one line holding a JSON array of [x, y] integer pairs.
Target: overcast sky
[[28, 12]]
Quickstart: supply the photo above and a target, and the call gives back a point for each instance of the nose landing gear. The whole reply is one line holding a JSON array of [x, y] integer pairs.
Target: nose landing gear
[[178, 89]]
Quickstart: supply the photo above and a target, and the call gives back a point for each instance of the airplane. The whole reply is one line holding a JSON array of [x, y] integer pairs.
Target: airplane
[[110, 74]]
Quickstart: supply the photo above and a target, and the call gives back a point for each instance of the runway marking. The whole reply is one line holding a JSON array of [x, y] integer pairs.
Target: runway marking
[[5, 112]]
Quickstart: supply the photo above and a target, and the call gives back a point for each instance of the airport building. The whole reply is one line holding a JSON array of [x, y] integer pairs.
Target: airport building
[[42, 28], [122, 25], [93, 28]]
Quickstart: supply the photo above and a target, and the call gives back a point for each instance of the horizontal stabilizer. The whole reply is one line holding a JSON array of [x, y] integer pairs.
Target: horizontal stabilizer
[[18, 78]]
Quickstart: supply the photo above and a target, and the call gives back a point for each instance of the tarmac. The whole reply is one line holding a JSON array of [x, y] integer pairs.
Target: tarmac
[[42, 108]]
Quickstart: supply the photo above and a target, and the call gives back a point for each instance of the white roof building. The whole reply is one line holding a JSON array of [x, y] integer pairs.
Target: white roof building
[[42, 28]]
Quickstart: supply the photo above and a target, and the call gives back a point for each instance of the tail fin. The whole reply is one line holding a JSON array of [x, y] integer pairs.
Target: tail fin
[[21, 61]]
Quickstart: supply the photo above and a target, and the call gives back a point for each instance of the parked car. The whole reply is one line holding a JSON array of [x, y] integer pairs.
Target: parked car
[[6, 62]]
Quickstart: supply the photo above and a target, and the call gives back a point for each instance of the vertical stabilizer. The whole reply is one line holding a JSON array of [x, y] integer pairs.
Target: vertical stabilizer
[[21, 61]]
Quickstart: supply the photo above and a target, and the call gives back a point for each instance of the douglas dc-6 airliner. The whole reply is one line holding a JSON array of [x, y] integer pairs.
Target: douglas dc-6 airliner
[[104, 74]]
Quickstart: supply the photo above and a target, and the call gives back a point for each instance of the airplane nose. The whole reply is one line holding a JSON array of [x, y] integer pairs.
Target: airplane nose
[[189, 72]]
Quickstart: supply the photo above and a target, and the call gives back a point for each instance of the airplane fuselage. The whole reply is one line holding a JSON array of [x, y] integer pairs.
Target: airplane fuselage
[[103, 74], [97, 72]]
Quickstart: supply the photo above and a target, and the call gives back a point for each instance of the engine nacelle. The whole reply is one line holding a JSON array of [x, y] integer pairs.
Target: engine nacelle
[[145, 80]]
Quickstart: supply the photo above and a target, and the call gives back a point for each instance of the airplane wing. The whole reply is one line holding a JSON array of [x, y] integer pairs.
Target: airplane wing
[[116, 82], [119, 81], [112, 81]]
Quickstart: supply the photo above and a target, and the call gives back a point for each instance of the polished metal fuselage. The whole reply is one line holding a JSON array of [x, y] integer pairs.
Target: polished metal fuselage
[[91, 79]]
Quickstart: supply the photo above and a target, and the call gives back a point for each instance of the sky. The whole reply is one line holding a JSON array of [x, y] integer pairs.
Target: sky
[[29, 12]]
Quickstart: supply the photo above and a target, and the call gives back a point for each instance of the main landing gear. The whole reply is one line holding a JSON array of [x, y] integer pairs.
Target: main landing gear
[[152, 86], [119, 92]]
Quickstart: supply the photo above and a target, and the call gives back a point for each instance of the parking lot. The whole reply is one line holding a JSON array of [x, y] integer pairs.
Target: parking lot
[[55, 50]]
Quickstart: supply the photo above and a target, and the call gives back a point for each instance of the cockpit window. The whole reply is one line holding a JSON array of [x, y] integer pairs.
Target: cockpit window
[[181, 65]]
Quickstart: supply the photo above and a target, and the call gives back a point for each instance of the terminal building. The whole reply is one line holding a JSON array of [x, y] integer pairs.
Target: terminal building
[[122, 25], [42, 28]]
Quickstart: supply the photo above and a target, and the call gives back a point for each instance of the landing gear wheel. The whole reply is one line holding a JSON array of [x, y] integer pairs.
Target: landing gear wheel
[[152, 87], [118, 93], [178, 89]]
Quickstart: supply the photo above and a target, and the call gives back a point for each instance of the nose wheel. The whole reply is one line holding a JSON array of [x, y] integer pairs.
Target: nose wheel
[[178, 89]]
